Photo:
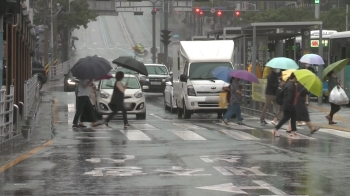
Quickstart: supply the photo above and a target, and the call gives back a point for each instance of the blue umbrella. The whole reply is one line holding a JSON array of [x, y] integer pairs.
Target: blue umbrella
[[221, 73], [176, 36], [282, 63]]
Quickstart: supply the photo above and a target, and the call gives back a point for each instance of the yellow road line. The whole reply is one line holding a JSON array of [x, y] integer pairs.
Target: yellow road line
[[55, 111], [24, 156], [326, 111], [332, 127]]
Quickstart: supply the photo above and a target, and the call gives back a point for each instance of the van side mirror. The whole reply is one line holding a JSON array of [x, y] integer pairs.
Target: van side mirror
[[183, 78]]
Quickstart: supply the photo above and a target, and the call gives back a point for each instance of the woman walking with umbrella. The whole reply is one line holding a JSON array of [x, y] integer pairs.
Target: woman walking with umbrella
[[117, 100], [235, 101]]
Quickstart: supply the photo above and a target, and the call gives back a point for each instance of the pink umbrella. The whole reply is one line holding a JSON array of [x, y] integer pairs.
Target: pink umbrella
[[106, 77], [244, 75]]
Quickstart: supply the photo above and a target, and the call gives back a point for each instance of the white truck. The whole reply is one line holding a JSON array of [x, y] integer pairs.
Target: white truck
[[196, 90]]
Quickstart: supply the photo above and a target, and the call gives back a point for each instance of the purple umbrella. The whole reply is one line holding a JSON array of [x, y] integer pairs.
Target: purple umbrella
[[244, 75]]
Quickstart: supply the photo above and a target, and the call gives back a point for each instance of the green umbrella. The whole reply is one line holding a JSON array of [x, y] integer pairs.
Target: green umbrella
[[310, 81], [336, 67]]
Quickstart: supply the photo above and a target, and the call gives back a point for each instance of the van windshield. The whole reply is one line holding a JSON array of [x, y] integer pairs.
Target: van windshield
[[202, 71]]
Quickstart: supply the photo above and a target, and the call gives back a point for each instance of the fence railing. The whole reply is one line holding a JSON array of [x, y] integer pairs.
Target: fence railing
[[30, 92], [6, 114], [58, 71]]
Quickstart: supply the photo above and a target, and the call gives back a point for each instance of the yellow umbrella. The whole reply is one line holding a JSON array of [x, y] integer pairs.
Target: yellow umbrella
[[286, 74], [310, 81]]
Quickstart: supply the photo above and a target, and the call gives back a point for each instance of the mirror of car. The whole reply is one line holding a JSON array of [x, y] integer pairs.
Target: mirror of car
[[183, 78]]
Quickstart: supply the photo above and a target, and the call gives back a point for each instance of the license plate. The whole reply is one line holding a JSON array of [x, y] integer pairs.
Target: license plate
[[127, 106], [156, 83]]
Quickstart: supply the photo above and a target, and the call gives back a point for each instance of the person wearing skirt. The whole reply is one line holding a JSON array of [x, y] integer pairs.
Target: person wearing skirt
[[302, 113]]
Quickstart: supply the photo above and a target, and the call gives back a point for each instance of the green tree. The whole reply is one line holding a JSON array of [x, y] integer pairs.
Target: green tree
[[334, 19], [79, 15]]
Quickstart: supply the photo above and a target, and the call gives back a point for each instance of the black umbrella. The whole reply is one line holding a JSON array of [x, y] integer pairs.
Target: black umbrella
[[132, 64], [75, 38], [91, 67]]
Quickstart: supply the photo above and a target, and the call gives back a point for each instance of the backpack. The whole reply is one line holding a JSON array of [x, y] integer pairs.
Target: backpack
[[280, 95]]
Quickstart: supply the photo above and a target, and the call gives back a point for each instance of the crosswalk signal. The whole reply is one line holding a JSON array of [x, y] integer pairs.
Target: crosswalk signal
[[166, 37], [219, 13], [201, 13], [317, 1], [197, 10]]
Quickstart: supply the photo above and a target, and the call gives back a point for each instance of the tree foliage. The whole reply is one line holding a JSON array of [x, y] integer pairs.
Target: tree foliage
[[334, 19]]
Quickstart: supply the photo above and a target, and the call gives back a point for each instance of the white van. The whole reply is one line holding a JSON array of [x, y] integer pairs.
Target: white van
[[195, 88]]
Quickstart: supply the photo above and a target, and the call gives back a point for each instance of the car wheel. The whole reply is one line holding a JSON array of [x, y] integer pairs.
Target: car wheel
[[141, 116], [187, 113], [39, 84]]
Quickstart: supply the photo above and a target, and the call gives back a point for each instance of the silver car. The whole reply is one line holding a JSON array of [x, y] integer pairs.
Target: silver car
[[169, 101], [135, 102]]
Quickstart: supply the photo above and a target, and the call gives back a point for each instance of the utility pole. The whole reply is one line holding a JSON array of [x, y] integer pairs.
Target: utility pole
[[1, 48], [51, 45], [166, 20], [347, 12], [46, 38], [317, 9], [154, 47]]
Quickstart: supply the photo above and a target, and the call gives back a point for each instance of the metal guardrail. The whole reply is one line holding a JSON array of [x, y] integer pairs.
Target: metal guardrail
[[30, 92], [6, 113], [58, 71]]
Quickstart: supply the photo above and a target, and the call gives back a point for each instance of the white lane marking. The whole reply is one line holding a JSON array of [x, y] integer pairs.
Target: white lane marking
[[241, 171], [285, 127], [187, 135], [239, 135], [107, 138], [285, 134], [90, 132], [156, 116], [188, 126], [212, 158], [135, 135], [99, 160], [144, 127], [336, 132], [234, 126], [179, 171]]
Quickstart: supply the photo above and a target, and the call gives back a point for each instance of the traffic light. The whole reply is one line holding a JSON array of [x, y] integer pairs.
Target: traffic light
[[166, 36], [197, 10], [201, 13], [317, 1], [154, 11], [237, 13], [219, 13]]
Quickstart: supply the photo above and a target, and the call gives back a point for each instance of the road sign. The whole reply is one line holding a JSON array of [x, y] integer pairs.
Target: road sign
[[212, 10], [154, 50]]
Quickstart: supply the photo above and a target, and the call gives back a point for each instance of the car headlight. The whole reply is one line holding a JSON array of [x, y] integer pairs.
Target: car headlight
[[70, 81], [144, 78], [190, 91], [165, 79], [104, 94], [138, 94]]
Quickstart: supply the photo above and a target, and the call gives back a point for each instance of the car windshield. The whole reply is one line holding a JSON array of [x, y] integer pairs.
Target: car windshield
[[126, 71], [132, 83], [202, 71], [157, 70]]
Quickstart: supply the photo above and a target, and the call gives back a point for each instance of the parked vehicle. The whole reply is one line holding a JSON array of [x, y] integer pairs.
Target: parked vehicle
[[195, 88], [169, 101], [158, 74], [69, 82], [38, 68], [135, 102]]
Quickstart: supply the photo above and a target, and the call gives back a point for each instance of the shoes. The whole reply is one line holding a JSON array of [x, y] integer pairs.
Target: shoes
[[274, 123], [75, 126], [276, 134], [332, 123], [225, 121], [240, 123], [126, 126], [263, 123], [81, 125], [314, 130]]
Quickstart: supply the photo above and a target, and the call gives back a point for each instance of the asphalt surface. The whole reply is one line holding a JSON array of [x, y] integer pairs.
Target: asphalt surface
[[164, 155]]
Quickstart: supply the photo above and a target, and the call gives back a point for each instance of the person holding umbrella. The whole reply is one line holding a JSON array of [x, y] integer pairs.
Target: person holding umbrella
[[288, 106], [117, 100], [83, 101], [235, 101]]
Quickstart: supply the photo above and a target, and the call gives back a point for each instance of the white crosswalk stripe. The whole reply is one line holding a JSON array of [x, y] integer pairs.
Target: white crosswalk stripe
[[188, 126], [187, 135], [235, 126], [144, 127], [285, 134], [135, 135], [239, 135]]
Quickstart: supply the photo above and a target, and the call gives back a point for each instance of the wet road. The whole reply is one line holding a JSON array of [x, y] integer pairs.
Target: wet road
[[164, 155]]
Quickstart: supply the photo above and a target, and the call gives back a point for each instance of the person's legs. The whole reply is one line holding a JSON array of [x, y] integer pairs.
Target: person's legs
[[81, 101], [334, 109], [278, 113], [229, 112], [285, 118], [268, 100], [114, 109], [125, 116]]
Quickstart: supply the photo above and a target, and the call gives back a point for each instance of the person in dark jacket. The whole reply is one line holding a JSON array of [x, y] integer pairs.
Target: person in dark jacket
[[332, 82], [117, 99], [270, 96], [288, 106]]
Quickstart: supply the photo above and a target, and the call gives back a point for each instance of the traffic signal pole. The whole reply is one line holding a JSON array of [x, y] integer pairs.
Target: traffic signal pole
[[1, 48], [166, 20], [154, 48]]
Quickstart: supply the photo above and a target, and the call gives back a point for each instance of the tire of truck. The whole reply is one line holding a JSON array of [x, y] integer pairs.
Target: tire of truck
[[40, 83], [187, 113]]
